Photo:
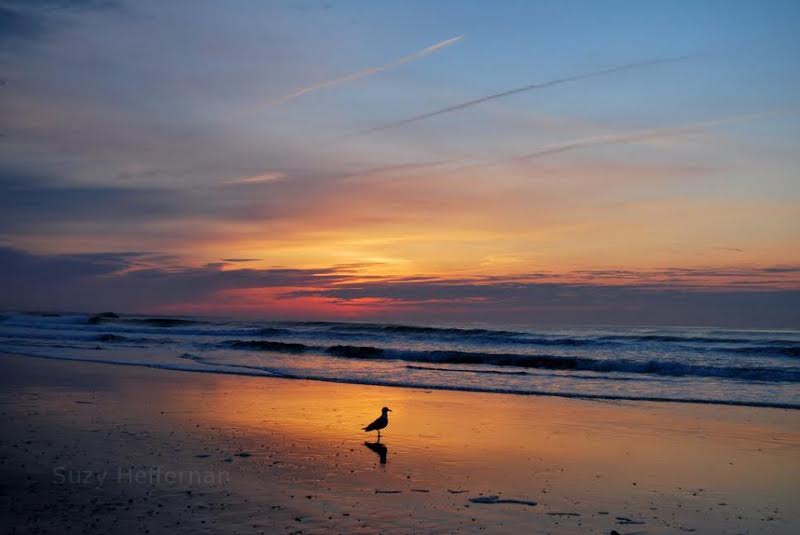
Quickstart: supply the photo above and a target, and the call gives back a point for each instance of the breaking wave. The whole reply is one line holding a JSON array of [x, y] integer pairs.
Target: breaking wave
[[755, 367]]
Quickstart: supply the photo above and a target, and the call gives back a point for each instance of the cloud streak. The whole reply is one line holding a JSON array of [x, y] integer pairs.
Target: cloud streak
[[267, 176], [523, 89], [366, 72], [645, 134]]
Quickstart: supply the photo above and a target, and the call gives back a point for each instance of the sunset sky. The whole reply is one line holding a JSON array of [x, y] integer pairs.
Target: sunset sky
[[515, 161]]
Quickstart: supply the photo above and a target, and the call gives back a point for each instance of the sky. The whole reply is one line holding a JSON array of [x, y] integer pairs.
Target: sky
[[429, 162]]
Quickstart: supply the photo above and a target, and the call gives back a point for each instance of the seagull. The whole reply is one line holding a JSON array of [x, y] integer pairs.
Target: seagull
[[380, 423]]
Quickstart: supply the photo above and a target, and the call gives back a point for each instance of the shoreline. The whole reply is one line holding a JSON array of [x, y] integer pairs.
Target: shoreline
[[477, 390], [295, 458]]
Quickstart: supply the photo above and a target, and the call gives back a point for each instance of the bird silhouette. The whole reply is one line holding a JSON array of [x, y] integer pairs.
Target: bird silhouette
[[380, 423]]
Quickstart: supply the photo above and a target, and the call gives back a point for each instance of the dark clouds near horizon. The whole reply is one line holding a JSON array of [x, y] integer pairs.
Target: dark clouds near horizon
[[128, 281], [133, 281]]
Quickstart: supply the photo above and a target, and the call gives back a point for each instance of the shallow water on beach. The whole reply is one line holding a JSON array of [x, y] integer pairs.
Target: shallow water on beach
[[704, 365]]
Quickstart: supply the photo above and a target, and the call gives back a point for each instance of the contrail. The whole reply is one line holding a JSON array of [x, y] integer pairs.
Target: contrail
[[531, 87], [367, 72], [646, 134], [266, 176], [634, 135]]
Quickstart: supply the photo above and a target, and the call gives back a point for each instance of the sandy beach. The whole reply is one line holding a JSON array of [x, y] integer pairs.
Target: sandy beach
[[92, 448]]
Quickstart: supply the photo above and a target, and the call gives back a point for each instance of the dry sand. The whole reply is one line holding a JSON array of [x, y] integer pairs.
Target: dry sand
[[92, 448]]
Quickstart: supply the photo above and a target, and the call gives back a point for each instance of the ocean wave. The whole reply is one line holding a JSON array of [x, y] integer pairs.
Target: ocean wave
[[721, 337], [82, 337], [538, 361], [404, 329], [359, 352], [371, 330], [465, 370], [110, 317], [689, 339], [565, 363], [35, 329], [731, 355], [116, 338], [48, 345], [480, 371], [786, 351], [266, 372], [266, 345], [273, 331], [784, 343]]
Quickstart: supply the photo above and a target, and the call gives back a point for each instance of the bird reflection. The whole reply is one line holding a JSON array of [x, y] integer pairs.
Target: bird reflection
[[378, 448]]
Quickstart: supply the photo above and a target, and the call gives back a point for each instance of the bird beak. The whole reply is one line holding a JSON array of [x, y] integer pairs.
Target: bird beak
[[390, 410]]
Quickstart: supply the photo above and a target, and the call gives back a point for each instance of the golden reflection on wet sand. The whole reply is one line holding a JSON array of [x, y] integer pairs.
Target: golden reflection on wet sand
[[671, 466]]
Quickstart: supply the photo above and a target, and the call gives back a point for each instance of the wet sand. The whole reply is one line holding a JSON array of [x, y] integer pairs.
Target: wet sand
[[93, 448]]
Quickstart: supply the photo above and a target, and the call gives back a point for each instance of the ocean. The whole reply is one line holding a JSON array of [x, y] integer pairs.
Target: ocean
[[679, 364]]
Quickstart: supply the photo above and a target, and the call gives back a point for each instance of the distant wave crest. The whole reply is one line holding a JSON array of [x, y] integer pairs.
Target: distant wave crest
[[547, 362]]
